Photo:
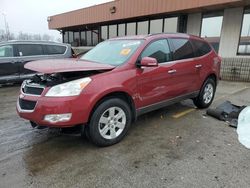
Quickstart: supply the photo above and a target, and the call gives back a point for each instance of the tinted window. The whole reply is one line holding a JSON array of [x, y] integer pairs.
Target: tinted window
[[182, 49], [30, 49], [6, 51], [201, 48], [158, 50], [53, 49]]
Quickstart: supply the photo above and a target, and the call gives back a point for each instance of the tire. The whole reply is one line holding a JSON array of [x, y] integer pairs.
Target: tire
[[206, 95], [109, 122]]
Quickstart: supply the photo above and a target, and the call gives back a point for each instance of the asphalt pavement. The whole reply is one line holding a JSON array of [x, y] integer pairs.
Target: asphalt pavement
[[177, 146]]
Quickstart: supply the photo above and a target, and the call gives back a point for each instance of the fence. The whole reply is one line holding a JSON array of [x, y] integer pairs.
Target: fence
[[235, 69]]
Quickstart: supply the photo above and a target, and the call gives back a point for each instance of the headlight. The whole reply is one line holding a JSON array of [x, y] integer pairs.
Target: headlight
[[72, 88]]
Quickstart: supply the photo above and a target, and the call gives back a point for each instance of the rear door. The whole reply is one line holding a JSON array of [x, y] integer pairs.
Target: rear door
[[185, 71], [9, 69], [203, 61]]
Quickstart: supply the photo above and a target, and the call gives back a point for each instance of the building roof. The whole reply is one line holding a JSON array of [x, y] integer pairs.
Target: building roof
[[134, 9]]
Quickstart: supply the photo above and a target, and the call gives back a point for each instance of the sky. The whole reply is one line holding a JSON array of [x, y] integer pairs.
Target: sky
[[30, 16]]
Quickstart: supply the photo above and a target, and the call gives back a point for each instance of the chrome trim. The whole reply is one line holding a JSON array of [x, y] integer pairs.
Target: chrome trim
[[172, 71], [165, 103]]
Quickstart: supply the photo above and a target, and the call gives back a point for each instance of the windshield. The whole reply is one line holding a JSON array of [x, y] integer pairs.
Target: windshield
[[113, 52]]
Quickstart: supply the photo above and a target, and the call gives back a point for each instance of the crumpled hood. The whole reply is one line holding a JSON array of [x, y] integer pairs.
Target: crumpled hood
[[65, 65]]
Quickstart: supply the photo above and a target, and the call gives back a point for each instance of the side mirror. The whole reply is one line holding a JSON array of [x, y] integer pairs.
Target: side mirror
[[148, 62]]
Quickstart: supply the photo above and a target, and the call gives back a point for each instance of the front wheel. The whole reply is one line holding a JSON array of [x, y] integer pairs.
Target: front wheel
[[206, 95], [109, 122]]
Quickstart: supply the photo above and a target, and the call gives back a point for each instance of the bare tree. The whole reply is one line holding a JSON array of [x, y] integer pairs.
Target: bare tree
[[2, 35], [46, 37], [59, 40], [37, 37], [27, 36]]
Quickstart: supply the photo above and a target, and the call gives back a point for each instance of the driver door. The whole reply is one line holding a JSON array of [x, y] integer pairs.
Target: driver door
[[154, 83]]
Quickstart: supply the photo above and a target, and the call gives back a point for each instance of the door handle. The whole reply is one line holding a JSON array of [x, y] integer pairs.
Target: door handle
[[198, 66], [172, 71]]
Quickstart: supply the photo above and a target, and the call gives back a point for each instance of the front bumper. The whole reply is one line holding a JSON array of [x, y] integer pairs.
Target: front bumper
[[54, 105]]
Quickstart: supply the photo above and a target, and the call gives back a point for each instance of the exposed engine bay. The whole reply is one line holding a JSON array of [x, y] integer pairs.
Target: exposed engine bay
[[49, 80]]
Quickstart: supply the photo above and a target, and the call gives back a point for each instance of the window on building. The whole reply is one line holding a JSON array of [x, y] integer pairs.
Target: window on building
[[182, 49], [95, 37], [54, 49], [112, 31], [83, 39], [71, 37], [142, 28], [29, 49], [156, 26], [171, 24], [76, 39], [211, 28], [158, 50], [244, 45], [6, 51], [89, 38], [121, 30], [131, 28], [65, 37], [104, 31]]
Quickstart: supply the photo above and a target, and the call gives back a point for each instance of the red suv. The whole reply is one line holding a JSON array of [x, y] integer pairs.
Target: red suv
[[118, 80]]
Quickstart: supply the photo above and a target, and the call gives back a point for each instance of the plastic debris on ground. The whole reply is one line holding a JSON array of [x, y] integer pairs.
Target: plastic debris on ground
[[227, 112], [243, 128]]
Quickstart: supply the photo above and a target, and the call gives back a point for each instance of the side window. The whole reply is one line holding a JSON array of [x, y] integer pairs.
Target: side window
[[54, 49], [6, 51], [182, 49], [29, 49], [201, 48], [158, 50]]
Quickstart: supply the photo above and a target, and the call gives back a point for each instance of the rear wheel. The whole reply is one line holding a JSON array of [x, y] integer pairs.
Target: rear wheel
[[109, 122], [206, 95]]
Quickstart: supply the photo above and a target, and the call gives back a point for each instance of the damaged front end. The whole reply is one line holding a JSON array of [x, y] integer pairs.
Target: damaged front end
[[37, 84], [47, 99]]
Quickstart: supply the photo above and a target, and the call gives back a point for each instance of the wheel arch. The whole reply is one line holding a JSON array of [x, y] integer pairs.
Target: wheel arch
[[117, 94], [212, 76]]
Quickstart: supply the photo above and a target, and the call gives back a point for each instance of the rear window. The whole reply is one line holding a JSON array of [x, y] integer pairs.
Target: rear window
[[6, 51], [55, 49], [29, 49], [182, 49], [200, 47]]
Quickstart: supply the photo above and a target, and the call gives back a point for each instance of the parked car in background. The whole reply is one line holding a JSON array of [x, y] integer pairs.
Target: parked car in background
[[118, 80], [15, 54]]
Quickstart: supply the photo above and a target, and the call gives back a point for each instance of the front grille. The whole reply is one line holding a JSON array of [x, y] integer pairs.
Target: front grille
[[27, 105], [32, 90]]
